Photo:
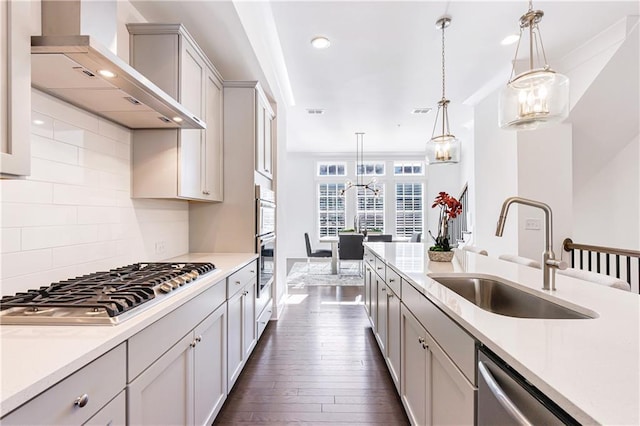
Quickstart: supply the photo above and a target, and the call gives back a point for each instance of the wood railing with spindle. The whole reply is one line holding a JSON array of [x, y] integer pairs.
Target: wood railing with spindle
[[620, 263], [459, 225]]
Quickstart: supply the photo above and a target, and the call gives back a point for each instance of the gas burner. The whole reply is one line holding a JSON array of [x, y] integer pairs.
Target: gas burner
[[101, 297]]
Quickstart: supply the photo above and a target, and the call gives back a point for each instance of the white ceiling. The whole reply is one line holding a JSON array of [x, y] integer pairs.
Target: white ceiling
[[384, 58]]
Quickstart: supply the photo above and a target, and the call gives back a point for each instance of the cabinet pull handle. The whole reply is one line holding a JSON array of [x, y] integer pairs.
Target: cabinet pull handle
[[391, 280], [205, 192], [252, 271], [81, 401], [383, 289], [198, 339], [379, 267], [237, 282]]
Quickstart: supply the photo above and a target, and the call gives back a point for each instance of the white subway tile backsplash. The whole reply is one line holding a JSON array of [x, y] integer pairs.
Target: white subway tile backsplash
[[51, 171], [114, 131], [53, 107], [10, 239], [25, 262], [25, 191], [82, 253], [85, 196], [74, 214], [58, 236], [49, 149], [41, 125], [26, 215]]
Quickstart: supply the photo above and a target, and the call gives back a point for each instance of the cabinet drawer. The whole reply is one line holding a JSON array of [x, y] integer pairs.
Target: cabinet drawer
[[263, 300], [393, 281], [263, 320], [237, 280], [381, 269], [456, 343], [149, 344], [100, 380], [370, 258], [112, 414]]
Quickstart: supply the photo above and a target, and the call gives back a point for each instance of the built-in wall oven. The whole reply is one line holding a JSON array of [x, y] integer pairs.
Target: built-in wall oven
[[265, 236]]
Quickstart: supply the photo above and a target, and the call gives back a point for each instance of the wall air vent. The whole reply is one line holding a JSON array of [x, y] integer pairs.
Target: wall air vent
[[421, 111], [315, 111]]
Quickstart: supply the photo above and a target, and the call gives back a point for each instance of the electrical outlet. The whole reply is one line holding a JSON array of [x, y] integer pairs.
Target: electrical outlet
[[160, 247], [532, 224]]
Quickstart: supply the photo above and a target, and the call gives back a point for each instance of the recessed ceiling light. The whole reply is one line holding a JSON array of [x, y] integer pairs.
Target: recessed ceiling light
[[177, 119], [420, 110], [320, 42], [510, 39], [106, 73], [315, 111], [38, 122]]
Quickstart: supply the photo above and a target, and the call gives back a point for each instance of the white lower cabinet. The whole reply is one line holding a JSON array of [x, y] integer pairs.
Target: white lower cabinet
[[242, 330], [80, 397], [112, 414], [393, 352], [186, 385], [433, 390], [381, 308]]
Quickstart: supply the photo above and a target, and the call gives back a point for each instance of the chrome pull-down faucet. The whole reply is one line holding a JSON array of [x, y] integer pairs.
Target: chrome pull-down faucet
[[549, 261]]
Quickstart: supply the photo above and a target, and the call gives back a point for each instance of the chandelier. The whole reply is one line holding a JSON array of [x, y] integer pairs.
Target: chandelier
[[443, 148], [537, 97], [360, 169]]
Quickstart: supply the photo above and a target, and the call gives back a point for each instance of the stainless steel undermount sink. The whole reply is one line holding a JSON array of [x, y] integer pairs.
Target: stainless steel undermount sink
[[501, 298]]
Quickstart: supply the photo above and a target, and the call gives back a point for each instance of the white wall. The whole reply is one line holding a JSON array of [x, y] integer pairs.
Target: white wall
[[73, 215], [545, 174], [608, 203], [495, 178], [441, 177]]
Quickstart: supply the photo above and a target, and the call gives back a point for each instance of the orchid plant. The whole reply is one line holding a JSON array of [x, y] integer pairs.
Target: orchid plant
[[450, 208]]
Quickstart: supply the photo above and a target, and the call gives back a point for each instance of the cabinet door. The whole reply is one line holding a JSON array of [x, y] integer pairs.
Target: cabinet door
[[15, 88], [260, 117], [112, 414], [268, 147], [163, 394], [212, 158], [190, 163], [249, 326], [210, 365], [452, 396], [367, 290], [381, 331], [393, 337], [234, 338], [374, 301], [415, 367]]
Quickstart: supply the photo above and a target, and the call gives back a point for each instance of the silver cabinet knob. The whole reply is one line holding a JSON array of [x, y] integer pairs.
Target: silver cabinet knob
[[198, 339], [237, 282], [383, 289], [205, 192], [420, 339], [391, 280], [81, 401], [425, 346]]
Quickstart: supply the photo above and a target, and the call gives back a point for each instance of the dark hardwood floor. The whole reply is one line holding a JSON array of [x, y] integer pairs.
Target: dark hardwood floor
[[319, 364]]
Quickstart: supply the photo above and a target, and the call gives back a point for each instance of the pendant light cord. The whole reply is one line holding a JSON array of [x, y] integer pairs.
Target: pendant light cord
[[443, 73]]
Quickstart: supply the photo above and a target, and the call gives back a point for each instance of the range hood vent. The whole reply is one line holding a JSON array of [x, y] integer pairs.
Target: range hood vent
[[82, 71], [69, 68]]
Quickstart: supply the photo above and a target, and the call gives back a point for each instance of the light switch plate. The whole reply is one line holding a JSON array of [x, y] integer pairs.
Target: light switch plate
[[532, 224]]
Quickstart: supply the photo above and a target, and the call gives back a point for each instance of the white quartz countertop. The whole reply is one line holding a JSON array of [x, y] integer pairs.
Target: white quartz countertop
[[590, 367], [34, 358]]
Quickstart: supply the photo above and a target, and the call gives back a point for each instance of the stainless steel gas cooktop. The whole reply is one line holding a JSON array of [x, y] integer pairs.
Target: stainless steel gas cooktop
[[108, 297]]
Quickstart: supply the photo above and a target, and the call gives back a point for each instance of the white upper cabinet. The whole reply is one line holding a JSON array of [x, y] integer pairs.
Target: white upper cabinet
[[186, 164], [15, 88], [264, 136]]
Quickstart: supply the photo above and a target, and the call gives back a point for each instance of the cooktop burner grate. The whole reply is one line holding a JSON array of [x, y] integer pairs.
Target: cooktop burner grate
[[98, 296]]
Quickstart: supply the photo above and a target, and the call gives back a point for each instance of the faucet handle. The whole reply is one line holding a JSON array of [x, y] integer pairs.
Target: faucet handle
[[559, 264]]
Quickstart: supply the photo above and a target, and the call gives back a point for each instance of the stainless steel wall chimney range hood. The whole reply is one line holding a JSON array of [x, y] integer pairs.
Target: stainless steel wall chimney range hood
[[82, 71]]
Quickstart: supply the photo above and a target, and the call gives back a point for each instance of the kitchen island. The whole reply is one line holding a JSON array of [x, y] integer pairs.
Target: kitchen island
[[589, 367], [35, 358]]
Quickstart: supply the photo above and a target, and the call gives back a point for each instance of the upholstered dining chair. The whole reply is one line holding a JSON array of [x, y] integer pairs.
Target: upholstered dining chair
[[386, 238], [597, 278], [350, 248], [474, 249], [416, 237], [312, 253], [520, 260]]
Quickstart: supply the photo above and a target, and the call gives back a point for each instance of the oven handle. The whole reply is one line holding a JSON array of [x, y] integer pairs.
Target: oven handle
[[267, 238]]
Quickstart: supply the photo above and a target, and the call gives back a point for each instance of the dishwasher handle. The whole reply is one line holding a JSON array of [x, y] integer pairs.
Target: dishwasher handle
[[502, 397]]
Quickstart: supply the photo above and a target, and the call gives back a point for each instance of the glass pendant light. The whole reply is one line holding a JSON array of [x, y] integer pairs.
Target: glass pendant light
[[537, 97], [445, 147]]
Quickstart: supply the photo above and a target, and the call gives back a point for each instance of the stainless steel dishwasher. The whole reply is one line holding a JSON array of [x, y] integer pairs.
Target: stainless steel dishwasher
[[507, 398]]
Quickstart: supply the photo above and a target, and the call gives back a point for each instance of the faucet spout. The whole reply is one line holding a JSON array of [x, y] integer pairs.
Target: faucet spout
[[549, 262]]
